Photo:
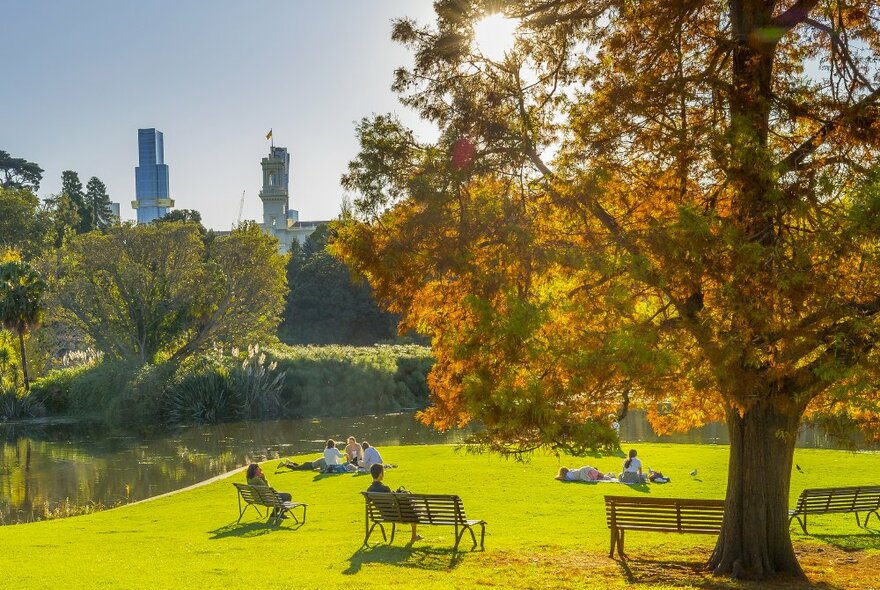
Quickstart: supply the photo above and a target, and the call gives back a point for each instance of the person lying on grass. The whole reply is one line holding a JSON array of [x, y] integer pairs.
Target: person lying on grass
[[377, 470], [318, 464], [585, 473], [255, 477]]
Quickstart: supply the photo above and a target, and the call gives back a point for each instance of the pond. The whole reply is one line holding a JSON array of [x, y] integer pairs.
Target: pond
[[64, 469]]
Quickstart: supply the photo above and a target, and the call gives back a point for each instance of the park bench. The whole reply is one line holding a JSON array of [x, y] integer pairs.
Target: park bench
[[405, 508], [257, 496], [836, 500], [662, 515]]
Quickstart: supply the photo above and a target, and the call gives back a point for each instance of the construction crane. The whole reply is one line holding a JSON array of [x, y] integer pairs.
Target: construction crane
[[240, 208]]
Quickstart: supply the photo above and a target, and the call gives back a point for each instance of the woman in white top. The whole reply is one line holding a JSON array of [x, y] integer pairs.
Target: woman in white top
[[332, 454], [632, 469]]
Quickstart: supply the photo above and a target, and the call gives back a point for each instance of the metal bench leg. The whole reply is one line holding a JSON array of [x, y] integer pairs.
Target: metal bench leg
[[370, 532], [858, 521], [803, 522], [874, 512], [620, 543], [613, 542], [473, 537], [393, 528], [482, 537], [458, 537]]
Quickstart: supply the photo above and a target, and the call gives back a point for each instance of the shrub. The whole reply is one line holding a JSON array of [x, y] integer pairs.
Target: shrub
[[203, 395], [15, 404], [258, 384]]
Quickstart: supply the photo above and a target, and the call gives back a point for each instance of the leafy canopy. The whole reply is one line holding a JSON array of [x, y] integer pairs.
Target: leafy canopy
[[674, 203], [158, 291]]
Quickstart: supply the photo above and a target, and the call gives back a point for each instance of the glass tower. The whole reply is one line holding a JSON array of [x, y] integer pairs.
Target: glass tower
[[152, 199]]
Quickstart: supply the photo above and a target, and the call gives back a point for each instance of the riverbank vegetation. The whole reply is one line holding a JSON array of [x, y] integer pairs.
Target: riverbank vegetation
[[232, 384], [541, 533]]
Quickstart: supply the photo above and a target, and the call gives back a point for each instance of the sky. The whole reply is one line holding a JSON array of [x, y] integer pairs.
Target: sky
[[80, 78]]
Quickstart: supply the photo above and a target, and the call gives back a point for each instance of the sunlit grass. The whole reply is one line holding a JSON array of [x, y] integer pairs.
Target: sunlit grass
[[541, 533]]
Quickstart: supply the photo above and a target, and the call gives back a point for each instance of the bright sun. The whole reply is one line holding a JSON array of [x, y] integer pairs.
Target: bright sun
[[494, 35]]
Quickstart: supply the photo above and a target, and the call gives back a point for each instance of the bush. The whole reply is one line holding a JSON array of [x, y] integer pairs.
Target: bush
[[203, 396], [16, 404]]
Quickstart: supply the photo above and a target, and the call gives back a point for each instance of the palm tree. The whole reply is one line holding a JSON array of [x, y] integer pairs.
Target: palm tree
[[21, 309]]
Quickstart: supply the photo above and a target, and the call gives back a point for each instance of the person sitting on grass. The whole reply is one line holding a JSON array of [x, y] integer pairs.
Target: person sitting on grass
[[632, 470], [371, 457], [377, 470], [332, 458], [353, 451], [585, 473], [255, 477]]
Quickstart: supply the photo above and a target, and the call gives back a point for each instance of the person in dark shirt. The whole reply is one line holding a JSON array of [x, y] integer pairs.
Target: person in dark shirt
[[377, 470], [255, 477]]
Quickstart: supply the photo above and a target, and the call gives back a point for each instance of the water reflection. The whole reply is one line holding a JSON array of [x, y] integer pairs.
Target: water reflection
[[635, 428], [51, 467], [67, 468]]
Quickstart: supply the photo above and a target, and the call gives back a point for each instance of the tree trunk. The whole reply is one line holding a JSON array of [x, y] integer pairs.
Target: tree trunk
[[27, 385], [755, 542]]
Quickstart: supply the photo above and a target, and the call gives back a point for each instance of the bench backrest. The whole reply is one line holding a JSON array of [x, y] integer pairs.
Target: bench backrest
[[683, 515], [262, 495], [850, 499], [418, 508]]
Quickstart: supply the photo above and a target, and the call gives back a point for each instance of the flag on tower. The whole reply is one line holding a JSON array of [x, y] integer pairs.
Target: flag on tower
[[269, 135]]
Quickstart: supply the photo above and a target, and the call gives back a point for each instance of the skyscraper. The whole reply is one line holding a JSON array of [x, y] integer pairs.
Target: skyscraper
[[152, 199]]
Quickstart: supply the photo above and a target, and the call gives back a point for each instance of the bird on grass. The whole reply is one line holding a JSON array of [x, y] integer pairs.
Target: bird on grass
[[798, 467], [693, 473]]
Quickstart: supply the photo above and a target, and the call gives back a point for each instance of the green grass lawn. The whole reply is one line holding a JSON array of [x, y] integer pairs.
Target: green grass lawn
[[541, 533]]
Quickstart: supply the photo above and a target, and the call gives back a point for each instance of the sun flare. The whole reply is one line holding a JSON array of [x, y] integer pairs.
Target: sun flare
[[494, 35]]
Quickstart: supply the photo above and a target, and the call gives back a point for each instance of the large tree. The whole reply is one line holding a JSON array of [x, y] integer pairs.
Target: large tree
[[670, 203], [157, 291], [97, 206], [21, 303], [23, 225], [19, 173], [326, 304]]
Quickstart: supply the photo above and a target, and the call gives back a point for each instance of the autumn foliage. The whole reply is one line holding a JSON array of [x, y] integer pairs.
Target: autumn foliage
[[673, 204]]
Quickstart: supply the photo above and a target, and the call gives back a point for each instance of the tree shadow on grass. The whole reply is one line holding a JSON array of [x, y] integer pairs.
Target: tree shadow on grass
[[251, 529], [693, 574], [423, 558], [870, 539]]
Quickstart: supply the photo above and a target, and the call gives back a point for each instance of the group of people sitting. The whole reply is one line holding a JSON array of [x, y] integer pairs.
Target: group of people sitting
[[357, 457], [632, 473]]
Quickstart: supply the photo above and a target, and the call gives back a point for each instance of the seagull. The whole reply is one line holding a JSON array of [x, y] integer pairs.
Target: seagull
[[693, 473], [798, 467]]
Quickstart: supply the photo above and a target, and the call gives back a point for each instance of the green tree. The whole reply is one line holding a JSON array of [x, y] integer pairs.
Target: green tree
[[21, 305], [72, 187], [164, 294], [19, 173], [184, 215], [97, 206], [674, 203], [23, 225], [62, 218], [326, 305]]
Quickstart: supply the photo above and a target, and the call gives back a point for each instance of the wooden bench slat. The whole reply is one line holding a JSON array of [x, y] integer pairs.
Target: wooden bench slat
[[433, 509], [662, 515], [853, 499]]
